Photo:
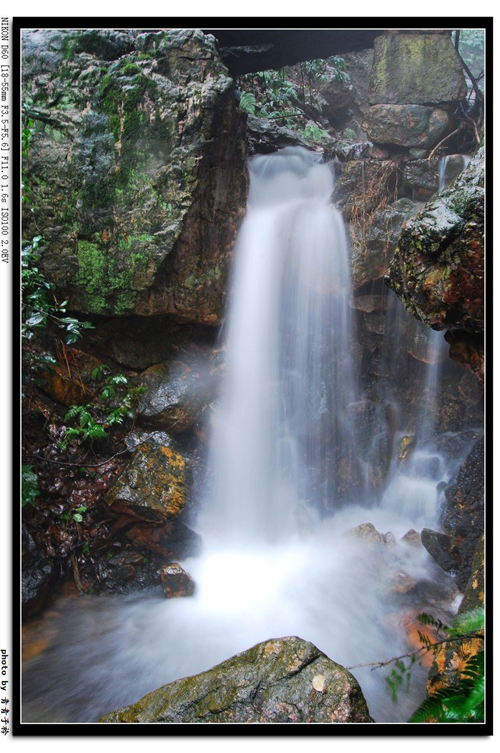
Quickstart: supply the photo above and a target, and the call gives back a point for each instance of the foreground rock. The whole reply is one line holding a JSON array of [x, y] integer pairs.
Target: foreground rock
[[285, 680]]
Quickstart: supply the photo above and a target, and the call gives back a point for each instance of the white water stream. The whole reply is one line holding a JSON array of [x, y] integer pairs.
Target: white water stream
[[272, 563]]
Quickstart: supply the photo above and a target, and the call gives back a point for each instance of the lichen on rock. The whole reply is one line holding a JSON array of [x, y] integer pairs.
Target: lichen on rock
[[154, 486], [286, 680]]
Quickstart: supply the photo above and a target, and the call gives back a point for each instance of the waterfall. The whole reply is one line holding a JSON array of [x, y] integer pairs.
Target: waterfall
[[450, 168], [289, 375], [286, 485]]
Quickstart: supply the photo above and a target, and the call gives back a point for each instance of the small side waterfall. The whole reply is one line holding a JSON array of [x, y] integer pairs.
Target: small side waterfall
[[287, 485], [450, 168]]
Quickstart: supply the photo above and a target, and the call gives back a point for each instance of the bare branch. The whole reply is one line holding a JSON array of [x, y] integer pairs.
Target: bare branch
[[378, 664]]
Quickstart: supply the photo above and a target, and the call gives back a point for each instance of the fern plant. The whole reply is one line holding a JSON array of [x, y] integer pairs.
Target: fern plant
[[248, 102], [114, 403], [460, 702], [463, 700]]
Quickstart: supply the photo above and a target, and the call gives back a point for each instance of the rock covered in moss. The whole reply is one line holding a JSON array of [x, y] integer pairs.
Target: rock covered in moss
[[154, 486], [415, 69], [136, 169], [438, 268], [286, 680]]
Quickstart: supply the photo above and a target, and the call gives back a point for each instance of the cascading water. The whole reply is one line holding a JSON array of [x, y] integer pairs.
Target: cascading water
[[289, 376], [286, 487], [450, 168]]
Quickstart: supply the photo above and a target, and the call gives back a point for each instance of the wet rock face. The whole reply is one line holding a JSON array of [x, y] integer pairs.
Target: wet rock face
[[266, 137], [137, 169], [407, 125], [366, 192], [463, 515], [415, 69], [171, 541], [154, 486], [438, 268], [287, 680], [176, 581], [440, 547], [38, 574], [176, 394]]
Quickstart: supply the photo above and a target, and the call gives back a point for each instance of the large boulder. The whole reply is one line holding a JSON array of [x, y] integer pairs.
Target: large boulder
[[416, 69], [176, 394], [438, 268], [286, 680], [154, 486], [136, 169], [407, 125]]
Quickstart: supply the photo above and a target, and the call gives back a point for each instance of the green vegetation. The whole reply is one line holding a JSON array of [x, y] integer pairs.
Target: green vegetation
[[471, 48], [288, 96], [463, 699], [113, 403], [39, 305], [75, 515], [30, 489]]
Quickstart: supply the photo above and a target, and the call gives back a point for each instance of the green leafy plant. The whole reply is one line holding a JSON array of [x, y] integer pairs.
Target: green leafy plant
[[39, 305], [76, 515], [462, 700], [338, 65], [315, 134], [29, 486], [113, 403], [350, 134], [248, 102]]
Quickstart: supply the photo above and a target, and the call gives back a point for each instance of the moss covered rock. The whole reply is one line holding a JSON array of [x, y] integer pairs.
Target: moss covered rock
[[415, 69], [286, 680], [136, 169], [438, 267], [154, 486]]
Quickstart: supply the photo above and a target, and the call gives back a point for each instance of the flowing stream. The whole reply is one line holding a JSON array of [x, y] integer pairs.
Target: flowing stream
[[285, 488]]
